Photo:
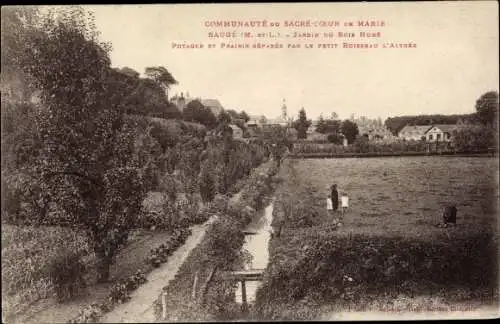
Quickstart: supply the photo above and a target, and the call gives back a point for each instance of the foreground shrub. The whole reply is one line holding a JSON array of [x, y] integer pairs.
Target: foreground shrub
[[67, 274], [350, 270]]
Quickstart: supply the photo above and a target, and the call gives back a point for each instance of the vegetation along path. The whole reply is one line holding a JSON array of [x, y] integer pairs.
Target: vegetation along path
[[140, 307]]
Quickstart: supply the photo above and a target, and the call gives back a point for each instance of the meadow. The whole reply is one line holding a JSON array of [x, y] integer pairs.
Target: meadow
[[388, 248]]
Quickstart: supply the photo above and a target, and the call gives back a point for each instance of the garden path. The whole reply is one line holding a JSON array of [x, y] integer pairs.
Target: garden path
[[140, 308]]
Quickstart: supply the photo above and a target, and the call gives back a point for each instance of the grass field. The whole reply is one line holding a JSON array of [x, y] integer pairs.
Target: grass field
[[388, 248], [392, 196]]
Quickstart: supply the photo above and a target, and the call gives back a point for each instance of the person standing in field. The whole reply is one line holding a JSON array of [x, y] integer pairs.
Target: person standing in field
[[345, 202], [335, 197], [329, 206]]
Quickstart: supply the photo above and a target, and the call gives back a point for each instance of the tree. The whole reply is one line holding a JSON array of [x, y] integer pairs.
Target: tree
[[243, 115], [232, 113], [350, 130], [302, 124], [320, 128], [335, 116], [195, 111], [89, 160], [18, 22], [487, 108], [161, 76], [328, 126], [224, 118], [130, 72], [335, 138]]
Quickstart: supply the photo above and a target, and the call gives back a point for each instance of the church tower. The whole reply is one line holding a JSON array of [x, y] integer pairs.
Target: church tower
[[284, 112]]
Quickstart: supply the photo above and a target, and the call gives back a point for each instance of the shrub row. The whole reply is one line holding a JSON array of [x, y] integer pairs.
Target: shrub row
[[159, 255], [120, 292], [364, 146], [351, 271]]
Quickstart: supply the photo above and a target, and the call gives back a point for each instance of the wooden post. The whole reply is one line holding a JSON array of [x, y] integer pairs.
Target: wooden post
[[244, 306], [193, 291], [164, 305]]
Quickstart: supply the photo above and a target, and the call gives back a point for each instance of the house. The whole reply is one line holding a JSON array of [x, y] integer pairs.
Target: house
[[413, 132], [312, 128], [374, 132], [237, 132], [255, 121], [442, 133], [213, 104]]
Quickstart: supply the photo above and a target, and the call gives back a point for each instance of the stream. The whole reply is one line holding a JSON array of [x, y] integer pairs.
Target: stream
[[256, 243]]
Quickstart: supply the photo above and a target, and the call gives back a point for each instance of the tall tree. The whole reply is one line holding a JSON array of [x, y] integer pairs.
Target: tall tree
[[350, 130], [487, 108], [302, 124], [161, 76], [243, 115], [195, 111], [89, 160], [320, 128]]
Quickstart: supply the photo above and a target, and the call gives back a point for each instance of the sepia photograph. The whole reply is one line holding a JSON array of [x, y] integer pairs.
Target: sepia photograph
[[240, 162]]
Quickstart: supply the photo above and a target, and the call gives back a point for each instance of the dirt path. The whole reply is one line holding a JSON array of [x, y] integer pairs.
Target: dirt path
[[139, 309]]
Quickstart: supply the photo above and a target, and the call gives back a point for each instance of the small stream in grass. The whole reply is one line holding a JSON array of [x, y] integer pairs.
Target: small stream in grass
[[258, 234]]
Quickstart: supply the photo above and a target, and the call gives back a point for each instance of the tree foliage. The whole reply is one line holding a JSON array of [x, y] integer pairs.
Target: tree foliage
[[302, 124], [89, 160], [350, 130], [487, 108], [195, 111], [328, 126], [161, 76]]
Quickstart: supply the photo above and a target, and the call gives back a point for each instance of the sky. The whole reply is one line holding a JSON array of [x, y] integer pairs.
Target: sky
[[454, 62]]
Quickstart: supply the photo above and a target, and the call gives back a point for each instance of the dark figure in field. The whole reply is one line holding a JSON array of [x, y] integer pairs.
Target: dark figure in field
[[335, 197], [450, 215]]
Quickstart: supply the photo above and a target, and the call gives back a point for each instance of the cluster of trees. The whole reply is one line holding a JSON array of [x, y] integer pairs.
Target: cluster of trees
[[147, 96], [337, 129]]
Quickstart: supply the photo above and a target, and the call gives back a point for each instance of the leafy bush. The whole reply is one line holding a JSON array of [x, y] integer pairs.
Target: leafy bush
[[343, 269], [160, 254], [335, 139], [207, 186], [67, 274]]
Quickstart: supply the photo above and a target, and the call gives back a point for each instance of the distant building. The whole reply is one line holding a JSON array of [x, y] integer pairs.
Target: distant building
[[375, 132], [256, 121], [213, 104], [282, 120], [237, 132], [442, 133], [413, 132]]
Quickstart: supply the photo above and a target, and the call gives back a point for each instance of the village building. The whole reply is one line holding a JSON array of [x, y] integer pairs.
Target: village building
[[312, 128], [413, 132], [237, 132], [374, 132], [442, 133], [255, 121], [283, 120], [181, 102]]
